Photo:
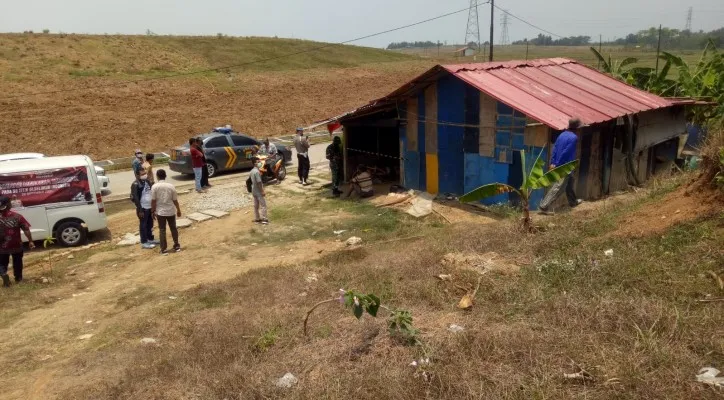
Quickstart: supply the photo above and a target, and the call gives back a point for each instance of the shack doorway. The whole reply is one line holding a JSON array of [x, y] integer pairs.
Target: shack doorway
[[373, 141]]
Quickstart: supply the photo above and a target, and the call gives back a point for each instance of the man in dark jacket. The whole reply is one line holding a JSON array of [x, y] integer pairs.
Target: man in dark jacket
[[336, 165], [205, 171], [142, 199]]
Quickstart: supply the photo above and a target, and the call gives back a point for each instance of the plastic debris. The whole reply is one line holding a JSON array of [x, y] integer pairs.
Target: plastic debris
[[287, 381], [710, 376], [455, 328], [353, 241], [608, 253]]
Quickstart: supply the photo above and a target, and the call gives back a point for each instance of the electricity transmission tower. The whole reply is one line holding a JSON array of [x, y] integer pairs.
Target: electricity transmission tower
[[688, 19], [472, 33], [504, 23]]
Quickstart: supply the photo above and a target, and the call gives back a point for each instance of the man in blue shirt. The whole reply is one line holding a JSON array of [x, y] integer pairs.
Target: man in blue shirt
[[564, 151]]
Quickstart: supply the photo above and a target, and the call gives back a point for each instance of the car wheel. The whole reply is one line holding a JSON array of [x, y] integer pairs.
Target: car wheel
[[211, 168], [71, 234]]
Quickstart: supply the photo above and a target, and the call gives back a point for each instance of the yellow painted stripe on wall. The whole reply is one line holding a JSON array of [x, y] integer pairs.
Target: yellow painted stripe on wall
[[431, 169]]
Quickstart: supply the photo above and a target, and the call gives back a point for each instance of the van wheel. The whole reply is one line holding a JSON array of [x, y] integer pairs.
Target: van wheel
[[211, 168], [71, 234]]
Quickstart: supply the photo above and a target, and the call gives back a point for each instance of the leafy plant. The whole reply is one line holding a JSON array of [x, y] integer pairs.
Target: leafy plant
[[534, 179], [399, 322], [614, 67]]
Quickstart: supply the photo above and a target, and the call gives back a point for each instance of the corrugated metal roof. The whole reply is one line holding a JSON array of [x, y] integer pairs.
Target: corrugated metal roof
[[554, 90], [551, 90]]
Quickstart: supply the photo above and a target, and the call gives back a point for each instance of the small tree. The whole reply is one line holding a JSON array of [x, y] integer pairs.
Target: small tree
[[534, 179]]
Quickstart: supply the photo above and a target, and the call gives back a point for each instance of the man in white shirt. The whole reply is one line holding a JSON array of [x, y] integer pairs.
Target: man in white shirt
[[165, 208], [301, 144]]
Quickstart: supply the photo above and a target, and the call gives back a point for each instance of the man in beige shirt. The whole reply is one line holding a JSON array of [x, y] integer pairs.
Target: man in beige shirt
[[165, 207]]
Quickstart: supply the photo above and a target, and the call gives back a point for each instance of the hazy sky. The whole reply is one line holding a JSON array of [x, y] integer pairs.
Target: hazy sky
[[339, 20]]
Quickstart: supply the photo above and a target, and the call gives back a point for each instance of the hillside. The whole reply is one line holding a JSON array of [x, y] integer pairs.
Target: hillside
[[262, 99]]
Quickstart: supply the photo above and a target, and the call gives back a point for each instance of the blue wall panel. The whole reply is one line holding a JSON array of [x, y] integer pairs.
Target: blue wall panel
[[451, 108], [412, 170], [422, 185]]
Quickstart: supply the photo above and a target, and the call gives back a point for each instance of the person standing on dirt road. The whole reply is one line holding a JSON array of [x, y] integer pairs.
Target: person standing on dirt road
[[148, 167], [197, 163], [335, 157], [165, 208], [205, 171], [11, 243], [258, 193], [137, 163], [141, 198], [564, 151], [301, 144]]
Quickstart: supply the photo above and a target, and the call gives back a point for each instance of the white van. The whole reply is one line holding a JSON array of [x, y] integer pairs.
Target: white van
[[59, 196]]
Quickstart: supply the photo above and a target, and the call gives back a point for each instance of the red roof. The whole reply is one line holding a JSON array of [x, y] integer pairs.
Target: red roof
[[550, 91], [554, 90]]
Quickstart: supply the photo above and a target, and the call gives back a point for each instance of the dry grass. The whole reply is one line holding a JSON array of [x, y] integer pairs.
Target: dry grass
[[632, 320]]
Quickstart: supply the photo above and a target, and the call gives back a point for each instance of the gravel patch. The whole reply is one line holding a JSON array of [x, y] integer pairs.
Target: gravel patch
[[224, 198]]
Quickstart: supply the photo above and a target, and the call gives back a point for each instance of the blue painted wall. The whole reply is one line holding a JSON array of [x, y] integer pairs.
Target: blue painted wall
[[451, 108], [422, 180]]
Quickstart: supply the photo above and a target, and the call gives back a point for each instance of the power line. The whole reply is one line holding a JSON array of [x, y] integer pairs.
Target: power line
[[528, 23], [243, 64]]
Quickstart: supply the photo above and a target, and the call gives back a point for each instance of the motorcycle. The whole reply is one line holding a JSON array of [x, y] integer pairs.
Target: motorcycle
[[273, 169]]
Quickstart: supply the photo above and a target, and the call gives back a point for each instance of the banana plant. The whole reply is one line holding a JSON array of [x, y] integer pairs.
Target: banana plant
[[534, 179], [614, 68]]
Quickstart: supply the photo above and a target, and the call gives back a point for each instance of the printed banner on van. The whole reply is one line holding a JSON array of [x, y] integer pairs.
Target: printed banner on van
[[32, 188]]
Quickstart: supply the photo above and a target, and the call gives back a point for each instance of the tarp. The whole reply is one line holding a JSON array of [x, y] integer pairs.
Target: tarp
[[59, 185]]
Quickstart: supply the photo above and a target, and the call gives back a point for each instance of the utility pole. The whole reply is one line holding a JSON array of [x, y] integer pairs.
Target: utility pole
[[658, 50], [492, 28], [438, 49], [526, 49]]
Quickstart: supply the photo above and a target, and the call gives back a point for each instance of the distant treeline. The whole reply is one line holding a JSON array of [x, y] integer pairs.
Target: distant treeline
[[407, 45], [670, 39]]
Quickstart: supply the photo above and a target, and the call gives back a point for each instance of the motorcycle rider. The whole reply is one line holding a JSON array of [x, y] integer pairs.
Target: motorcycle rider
[[270, 151]]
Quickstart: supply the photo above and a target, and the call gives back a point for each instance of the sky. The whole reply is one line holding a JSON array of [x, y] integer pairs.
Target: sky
[[341, 20]]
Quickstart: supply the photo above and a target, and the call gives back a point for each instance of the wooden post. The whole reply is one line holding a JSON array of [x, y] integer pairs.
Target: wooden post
[[492, 14]]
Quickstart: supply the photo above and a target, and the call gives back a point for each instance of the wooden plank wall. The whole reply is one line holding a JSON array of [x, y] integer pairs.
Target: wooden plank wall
[[488, 117], [412, 124]]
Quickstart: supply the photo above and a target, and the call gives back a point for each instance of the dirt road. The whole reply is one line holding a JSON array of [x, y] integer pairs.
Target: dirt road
[[121, 181]]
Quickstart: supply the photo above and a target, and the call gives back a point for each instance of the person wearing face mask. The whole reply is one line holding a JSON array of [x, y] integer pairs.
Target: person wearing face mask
[[257, 191], [137, 163], [11, 243], [142, 199]]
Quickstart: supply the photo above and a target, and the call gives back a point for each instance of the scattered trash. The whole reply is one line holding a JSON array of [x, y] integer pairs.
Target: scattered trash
[[70, 257], [421, 205], [710, 376], [44, 280], [467, 301], [148, 340], [353, 241], [581, 376], [129, 239], [85, 337], [420, 369], [172, 297], [89, 322], [287, 381], [311, 278], [608, 253], [340, 232], [444, 277], [254, 244], [72, 273], [455, 328], [677, 211]]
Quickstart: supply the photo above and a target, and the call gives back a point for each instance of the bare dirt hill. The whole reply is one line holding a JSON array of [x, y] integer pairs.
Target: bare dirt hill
[[261, 99]]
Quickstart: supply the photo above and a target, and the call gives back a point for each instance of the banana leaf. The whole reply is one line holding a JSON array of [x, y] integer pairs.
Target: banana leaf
[[485, 191], [536, 172], [553, 175]]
